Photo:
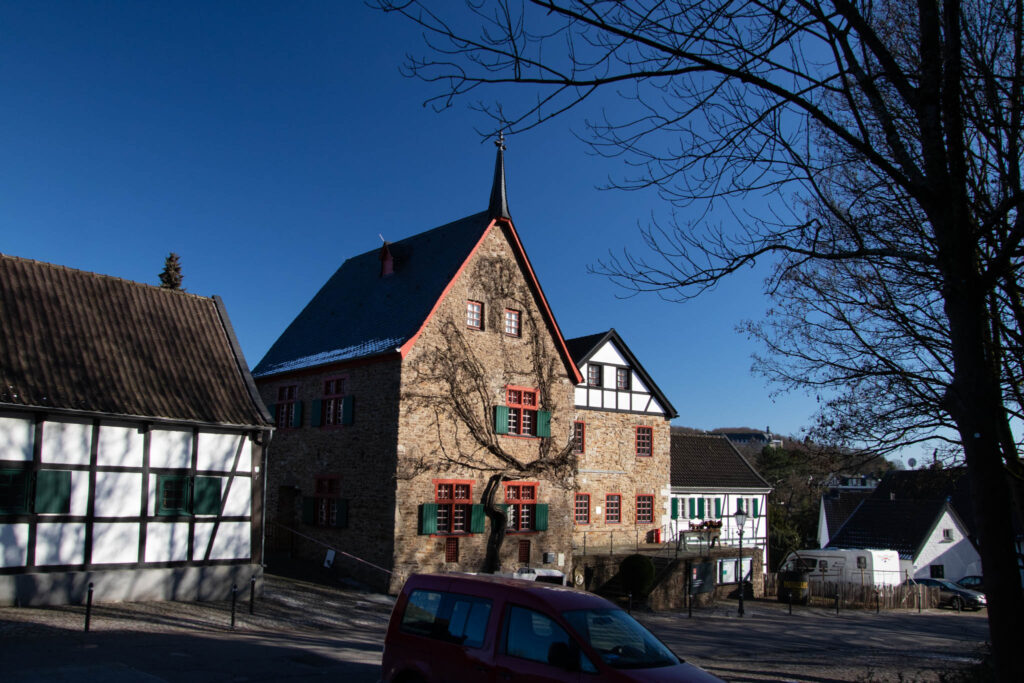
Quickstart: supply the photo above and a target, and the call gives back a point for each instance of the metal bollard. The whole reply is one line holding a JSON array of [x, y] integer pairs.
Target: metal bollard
[[252, 593], [878, 607], [837, 602], [88, 608], [234, 599], [791, 601], [630, 610]]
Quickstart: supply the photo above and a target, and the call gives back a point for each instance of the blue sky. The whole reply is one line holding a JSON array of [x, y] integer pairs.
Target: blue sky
[[268, 142]]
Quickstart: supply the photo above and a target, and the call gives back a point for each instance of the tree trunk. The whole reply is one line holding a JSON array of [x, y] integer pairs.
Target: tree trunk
[[496, 534]]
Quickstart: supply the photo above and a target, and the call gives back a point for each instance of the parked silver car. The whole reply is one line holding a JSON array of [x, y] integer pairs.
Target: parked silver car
[[952, 595]]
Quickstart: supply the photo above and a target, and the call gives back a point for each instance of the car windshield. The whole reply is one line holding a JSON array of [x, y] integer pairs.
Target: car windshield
[[620, 640]]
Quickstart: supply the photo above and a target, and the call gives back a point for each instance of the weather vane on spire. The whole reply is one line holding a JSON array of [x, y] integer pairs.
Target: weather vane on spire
[[500, 142]]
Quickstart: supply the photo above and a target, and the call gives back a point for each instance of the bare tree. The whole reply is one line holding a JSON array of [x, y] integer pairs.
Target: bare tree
[[838, 103], [459, 391]]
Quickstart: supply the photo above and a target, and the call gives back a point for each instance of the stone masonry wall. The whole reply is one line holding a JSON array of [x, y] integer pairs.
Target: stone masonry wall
[[478, 365], [362, 455], [609, 465]]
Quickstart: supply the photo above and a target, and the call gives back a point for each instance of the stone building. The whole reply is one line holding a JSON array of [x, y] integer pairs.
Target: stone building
[[622, 441], [424, 379]]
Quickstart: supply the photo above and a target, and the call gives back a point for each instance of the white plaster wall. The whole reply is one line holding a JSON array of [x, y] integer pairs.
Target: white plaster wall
[[217, 451], [958, 556], [232, 541], [118, 494], [166, 542], [580, 396], [67, 442], [62, 543], [239, 502], [79, 493], [610, 355], [171, 448], [16, 438], [13, 545], [115, 543], [120, 446]]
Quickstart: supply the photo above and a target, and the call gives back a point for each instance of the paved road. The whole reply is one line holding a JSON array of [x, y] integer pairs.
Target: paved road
[[306, 632]]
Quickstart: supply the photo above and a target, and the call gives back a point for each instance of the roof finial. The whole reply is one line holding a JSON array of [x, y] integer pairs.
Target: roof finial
[[498, 206]]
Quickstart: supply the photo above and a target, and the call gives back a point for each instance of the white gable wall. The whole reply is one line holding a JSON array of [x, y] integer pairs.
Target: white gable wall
[[955, 553], [637, 400]]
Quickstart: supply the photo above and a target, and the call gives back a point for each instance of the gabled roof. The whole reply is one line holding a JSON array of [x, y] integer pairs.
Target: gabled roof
[[839, 505], [582, 348], [80, 341], [711, 461], [900, 525], [361, 314], [945, 484]]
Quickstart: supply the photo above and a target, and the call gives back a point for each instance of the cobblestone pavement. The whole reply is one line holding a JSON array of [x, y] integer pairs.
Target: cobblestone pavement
[[307, 631]]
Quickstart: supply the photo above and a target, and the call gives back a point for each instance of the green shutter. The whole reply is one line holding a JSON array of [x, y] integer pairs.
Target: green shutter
[[543, 423], [206, 496], [675, 508], [700, 508], [428, 518], [316, 413], [501, 419], [693, 507], [165, 499], [541, 517], [341, 520], [477, 519], [718, 508], [53, 492], [755, 502], [309, 504], [297, 415], [347, 405], [503, 509]]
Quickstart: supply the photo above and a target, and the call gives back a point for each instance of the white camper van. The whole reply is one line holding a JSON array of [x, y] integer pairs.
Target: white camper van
[[864, 567]]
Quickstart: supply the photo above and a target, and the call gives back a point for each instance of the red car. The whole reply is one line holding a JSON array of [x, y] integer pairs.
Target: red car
[[463, 627]]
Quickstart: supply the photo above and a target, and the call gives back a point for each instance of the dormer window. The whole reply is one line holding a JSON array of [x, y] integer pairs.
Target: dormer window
[[622, 379], [594, 374]]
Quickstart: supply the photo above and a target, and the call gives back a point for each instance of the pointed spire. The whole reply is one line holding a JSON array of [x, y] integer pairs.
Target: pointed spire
[[498, 207]]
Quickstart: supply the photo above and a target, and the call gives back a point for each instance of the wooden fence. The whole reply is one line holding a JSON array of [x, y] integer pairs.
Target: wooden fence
[[857, 596]]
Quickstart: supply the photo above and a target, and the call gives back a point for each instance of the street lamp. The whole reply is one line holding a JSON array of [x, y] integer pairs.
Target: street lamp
[[741, 519]]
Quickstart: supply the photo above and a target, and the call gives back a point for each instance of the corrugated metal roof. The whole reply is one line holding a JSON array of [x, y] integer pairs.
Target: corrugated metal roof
[[360, 313], [707, 460], [82, 341]]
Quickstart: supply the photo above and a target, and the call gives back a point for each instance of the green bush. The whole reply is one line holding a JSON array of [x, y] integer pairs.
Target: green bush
[[637, 573]]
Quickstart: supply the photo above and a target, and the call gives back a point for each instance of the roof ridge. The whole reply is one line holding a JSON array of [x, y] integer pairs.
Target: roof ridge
[[101, 276]]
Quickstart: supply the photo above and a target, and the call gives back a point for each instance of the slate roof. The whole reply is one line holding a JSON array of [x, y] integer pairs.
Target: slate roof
[[900, 525], [927, 484], [711, 461], [82, 341], [839, 505], [582, 348], [359, 314]]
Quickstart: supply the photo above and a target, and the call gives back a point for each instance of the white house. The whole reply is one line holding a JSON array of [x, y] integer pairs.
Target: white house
[[929, 536], [711, 480], [131, 441]]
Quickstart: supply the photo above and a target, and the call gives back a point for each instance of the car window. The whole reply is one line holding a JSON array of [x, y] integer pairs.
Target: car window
[[620, 640], [452, 617], [535, 636]]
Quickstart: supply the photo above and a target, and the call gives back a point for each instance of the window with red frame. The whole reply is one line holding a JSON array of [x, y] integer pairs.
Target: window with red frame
[[645, 509], [524, 552], [583, 508], [644, 441], [334, 412], [613, 509], [454, 502], [325, 507], [474, 315], [287, 414], [522, 506], [451, 549], [511, 322], [579, 437], [622, 379], [522, 411]]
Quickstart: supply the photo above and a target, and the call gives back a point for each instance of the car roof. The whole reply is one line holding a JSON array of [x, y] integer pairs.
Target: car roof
[[559, 598]]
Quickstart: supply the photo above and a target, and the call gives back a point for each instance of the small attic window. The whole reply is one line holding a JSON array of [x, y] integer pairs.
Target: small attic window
[[387, 261]]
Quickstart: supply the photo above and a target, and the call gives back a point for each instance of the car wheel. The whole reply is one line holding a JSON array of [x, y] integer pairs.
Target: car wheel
[[957, 603]]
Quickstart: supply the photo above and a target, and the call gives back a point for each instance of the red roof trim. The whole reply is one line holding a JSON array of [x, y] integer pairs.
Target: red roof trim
[[566, 358]]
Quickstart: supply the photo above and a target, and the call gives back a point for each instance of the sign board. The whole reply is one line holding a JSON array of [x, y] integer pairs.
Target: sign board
[[702, 577]]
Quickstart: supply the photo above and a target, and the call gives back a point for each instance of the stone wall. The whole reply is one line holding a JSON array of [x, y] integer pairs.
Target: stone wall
[[362, 455], [609, 465], [452, 364]]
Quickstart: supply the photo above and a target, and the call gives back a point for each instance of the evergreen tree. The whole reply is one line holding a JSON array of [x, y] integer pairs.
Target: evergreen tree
[[170, 276]]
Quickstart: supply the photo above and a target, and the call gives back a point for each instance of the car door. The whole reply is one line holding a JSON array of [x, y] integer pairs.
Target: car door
[[534, 647], [465, 651]]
